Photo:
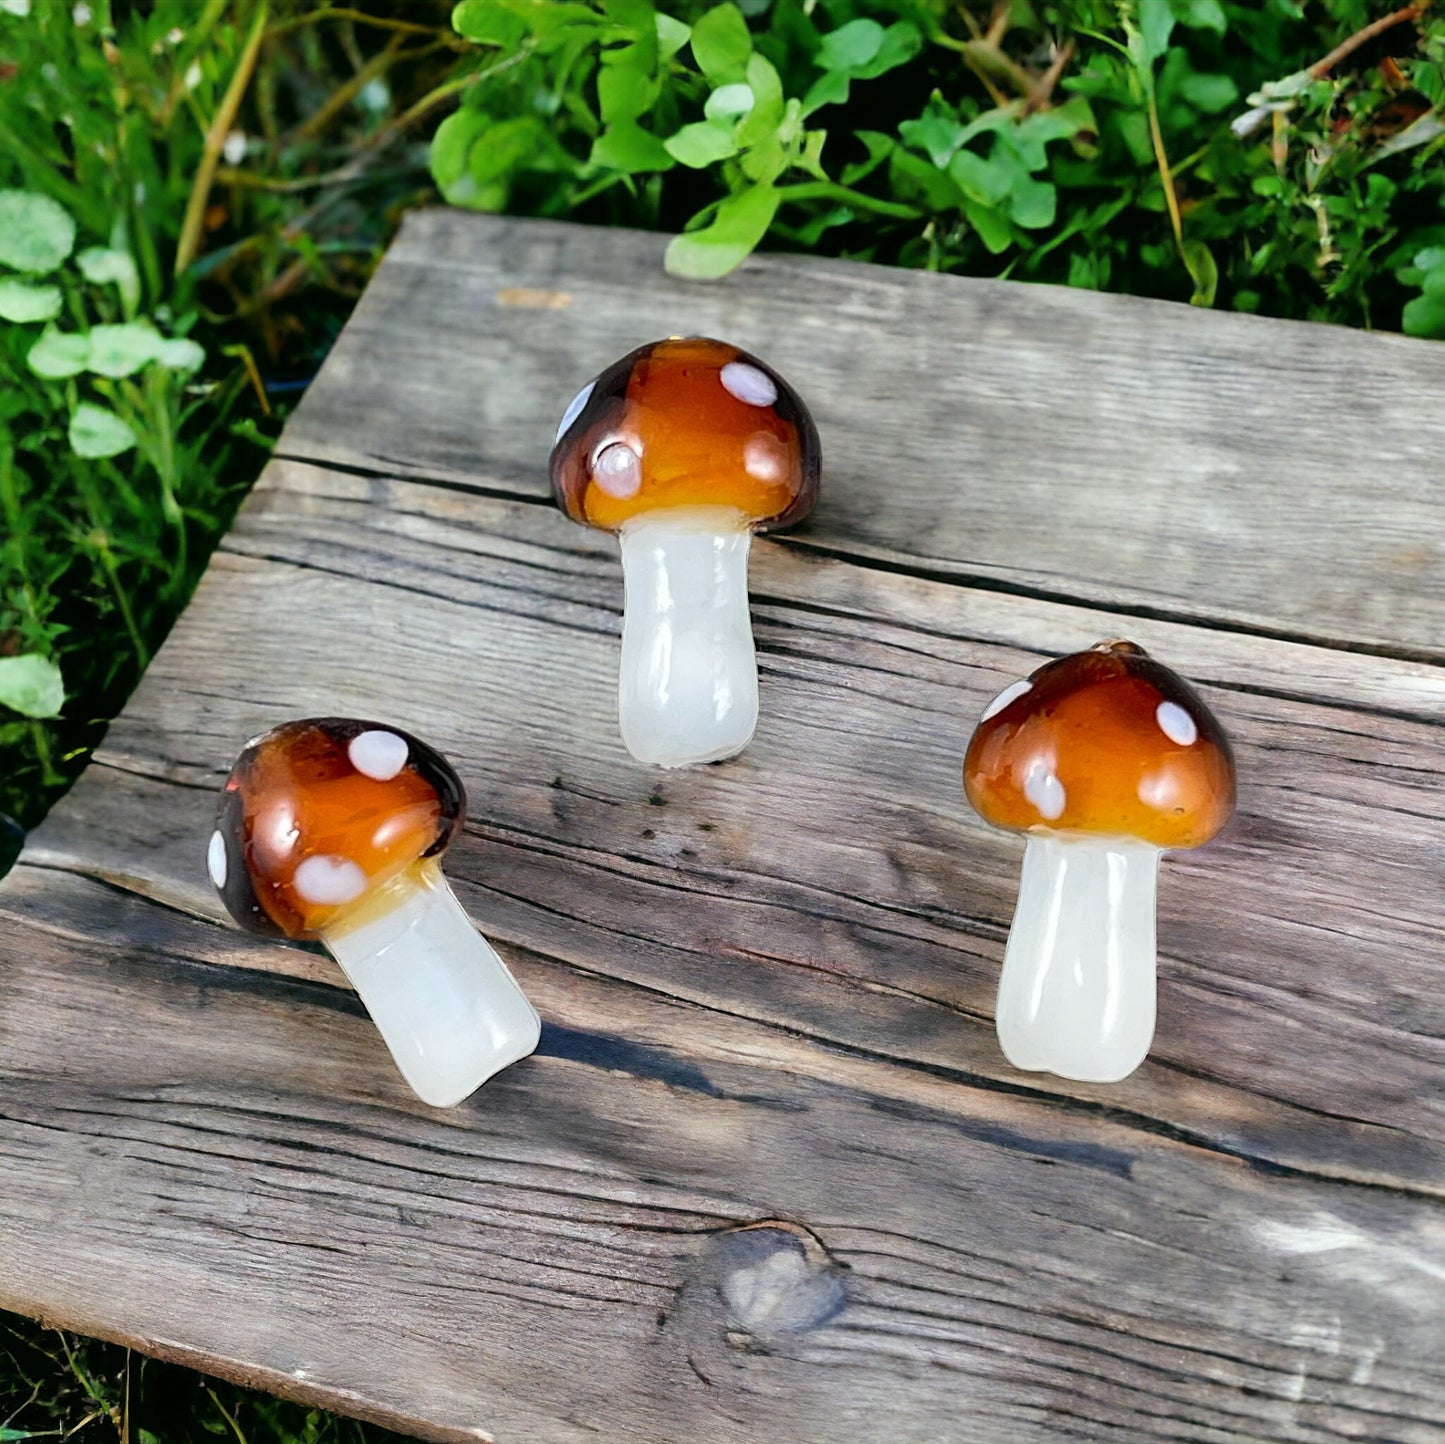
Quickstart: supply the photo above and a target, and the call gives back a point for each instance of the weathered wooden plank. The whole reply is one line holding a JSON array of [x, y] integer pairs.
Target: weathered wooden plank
[[768, 985], [465, 1274], [1265, 474], [832, 879]]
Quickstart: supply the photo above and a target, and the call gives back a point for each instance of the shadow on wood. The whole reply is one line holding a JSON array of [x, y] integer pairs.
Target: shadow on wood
[[768, 1176]]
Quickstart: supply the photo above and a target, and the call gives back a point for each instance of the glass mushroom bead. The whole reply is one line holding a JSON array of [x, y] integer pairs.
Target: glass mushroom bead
[[1104, 760], [333, 829], [684, 448]]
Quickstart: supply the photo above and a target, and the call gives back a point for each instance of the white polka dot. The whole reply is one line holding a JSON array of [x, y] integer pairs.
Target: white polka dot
[[618, 470], [574, 410], [748, 384], [1176, 724], [216, 860], [1044, 790], [329, 881], [377, 754], [1011, 693], [764, 458]]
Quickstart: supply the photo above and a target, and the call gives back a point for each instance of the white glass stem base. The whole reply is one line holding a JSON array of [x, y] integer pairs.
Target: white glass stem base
[[1076, 996], [688, 685], [444, 1002]]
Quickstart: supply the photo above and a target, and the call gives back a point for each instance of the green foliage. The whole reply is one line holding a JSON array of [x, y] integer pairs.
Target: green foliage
[[159, 274], [21, 301], [1176, 148], [79, 394], [556, 118], [31, 685], [1425, 314], [36, 233], [111, 461]]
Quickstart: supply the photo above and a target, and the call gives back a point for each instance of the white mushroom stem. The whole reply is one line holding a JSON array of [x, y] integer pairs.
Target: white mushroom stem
[[688, 686], [444, 1002], [1076, 996]]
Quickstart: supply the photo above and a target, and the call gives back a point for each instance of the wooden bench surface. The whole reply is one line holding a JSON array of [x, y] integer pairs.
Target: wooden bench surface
[[768, 1177]]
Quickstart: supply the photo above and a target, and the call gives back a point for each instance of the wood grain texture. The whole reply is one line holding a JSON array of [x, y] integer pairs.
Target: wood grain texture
[[767, 985], [1267, 475], [524, 1266]]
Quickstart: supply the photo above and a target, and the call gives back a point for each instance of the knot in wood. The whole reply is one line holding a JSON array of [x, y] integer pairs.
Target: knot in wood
[[769, 1279]]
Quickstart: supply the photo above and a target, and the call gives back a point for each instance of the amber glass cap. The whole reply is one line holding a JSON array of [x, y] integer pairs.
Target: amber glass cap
[[1108, 742], [686, 422], [316, 814]]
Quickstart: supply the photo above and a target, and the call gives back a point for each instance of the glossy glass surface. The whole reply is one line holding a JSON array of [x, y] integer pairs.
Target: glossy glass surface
[[446, 1005], [686, 423], [1076, 994], [318, 814], [1108, 742], [688, 682]]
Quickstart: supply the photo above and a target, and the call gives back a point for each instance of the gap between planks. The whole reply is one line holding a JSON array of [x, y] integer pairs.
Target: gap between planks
[[928, 569]]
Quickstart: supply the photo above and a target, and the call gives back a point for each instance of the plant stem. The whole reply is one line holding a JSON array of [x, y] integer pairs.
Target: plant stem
[[596, 188], [1043, 90], [14, 520], [11, 503], [99, 540], [159, 414], [1348, 46], [343, 95], [445, 92], [107, 561], [233, 176], [198, 33], [49, 775], [832, 191], [215, 143], [243, 354], [359, 17], [227, 1416], [1171, 199], [982, 56], [157, 387]]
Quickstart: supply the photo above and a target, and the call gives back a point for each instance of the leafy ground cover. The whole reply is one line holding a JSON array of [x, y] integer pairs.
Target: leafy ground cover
[[194, 192], [191, 198], [1270, 156]]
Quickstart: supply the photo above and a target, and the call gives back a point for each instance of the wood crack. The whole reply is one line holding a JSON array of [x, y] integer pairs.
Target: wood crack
[[936, 571], [984, 582], [1126, 1118]]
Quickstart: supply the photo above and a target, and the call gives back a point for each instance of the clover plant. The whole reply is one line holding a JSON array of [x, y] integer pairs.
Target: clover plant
[[85, 365], [1264, 156]]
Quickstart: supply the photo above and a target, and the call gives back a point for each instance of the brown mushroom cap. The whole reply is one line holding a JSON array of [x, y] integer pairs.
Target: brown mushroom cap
[[317, 814], [686, 422], [1108, 742]]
